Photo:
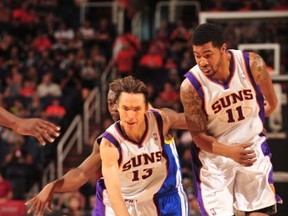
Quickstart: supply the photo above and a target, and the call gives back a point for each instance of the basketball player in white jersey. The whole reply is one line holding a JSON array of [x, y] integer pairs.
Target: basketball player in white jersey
[[137, 159], [75, 178], [223, 99]]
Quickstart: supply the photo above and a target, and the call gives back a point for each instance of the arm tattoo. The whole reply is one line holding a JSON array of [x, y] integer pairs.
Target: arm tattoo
[[195, 116], [258, 67]]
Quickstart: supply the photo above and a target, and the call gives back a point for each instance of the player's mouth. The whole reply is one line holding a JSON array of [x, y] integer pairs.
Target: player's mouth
[[130, 123], [206, 71]]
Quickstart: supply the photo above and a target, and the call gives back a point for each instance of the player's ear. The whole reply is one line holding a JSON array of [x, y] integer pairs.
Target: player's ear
[[147, 107], [223, 48]]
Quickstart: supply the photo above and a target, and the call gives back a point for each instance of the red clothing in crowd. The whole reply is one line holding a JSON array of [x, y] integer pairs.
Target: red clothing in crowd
[[124, 61], [5, 188], [41, 43], [152, 61], [22, 16], [55, 109]]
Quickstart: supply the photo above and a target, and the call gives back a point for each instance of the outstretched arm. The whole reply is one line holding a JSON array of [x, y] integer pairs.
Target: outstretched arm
[[197, 126], [263, 79], [40, 129], [173, 119], [71, 181]]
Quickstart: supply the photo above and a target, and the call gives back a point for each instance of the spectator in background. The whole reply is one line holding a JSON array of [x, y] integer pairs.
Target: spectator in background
[[152, 60], [87, 33], [63, 32], [161, 41], [46, 62], [19, 169], [68, 61], [104, 36], [89, 74], [28, 89], [30, 59], [124, 60], [70, 82], [48, 87], [5, 13], [55, 111], [14, 56], [22, 14], [32, 74], [71, 203], [18, 109], [98, 58], [180, 33], [151, 68], [42, 42], [35, 108], [186, 62], [6, 190], [76, 43], [14, 83], [129, 39], [167, 97]]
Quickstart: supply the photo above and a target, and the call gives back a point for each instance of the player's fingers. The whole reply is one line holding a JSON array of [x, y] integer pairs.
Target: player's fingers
[[40, 140], [44, 135], [47, 136], [249, 155], [50, 126], [49, 207], [247, 152], [249, 160], [30, 203], [41, 209], [246, 145]]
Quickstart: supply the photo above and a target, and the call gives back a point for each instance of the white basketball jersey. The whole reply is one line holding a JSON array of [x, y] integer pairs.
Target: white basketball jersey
[[235, 109], [143, 166]]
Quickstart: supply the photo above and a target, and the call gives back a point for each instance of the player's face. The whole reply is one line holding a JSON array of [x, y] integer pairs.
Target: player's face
[[209, 58], [112, 106], [132, 109]]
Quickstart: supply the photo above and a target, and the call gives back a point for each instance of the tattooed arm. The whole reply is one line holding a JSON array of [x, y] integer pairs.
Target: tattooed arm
[[197, 126], [263, 79]]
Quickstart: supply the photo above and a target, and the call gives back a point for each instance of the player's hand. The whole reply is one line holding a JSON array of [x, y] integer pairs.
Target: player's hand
[[42, 202], [243, 154], [40, 129]]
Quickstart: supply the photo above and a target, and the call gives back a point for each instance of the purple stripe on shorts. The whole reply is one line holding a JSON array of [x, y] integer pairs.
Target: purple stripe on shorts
[[99, 207]]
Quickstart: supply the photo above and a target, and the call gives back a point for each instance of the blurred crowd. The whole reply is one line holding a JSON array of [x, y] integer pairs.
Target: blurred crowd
[[49, 63]]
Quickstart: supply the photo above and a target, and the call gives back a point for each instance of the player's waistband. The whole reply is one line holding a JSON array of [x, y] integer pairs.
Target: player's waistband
[[157, 195], [171, 192], [138, 200]]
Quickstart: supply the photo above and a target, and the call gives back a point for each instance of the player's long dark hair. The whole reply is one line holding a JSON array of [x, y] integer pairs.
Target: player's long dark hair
[[206, 33]]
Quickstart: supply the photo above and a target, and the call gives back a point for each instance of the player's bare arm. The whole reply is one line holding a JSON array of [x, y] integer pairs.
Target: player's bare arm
[[196, 120], [111, 173], [42, 130], [173, 119], [263, 79]]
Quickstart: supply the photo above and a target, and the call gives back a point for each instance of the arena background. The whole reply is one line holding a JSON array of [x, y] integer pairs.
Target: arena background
[[77, 42]]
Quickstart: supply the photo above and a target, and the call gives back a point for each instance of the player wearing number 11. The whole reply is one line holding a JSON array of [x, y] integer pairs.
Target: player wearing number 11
[[223, 99]]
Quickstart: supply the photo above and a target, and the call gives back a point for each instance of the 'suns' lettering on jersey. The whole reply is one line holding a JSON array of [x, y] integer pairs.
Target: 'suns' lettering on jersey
[[230, 99], [142, 159]]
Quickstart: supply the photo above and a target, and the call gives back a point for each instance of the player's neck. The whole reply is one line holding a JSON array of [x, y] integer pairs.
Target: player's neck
[[135, 133], [225, 68]]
